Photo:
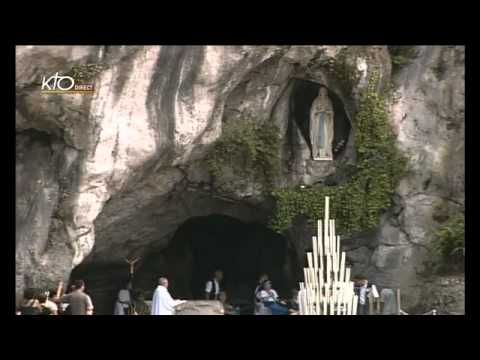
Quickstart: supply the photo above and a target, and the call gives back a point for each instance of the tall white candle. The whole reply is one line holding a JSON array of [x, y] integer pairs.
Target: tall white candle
[[342, 268], [313, 278], [355, 302], [326, 222], [329, 269], [320, 242], [307, 303], [330, 233], [320, 280], [335, 267], [327, 208], [338, 244], [347, 306], [339, 300], [315, 253], [309, 257], [334, 239], [334, 297], [300, 301], [326, 240], [327, 294]]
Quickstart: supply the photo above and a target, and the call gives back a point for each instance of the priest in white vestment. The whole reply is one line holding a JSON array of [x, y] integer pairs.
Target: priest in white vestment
[[162, 302]]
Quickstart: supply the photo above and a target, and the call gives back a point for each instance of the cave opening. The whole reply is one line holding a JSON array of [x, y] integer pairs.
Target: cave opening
[[304, 93], [199, 246]]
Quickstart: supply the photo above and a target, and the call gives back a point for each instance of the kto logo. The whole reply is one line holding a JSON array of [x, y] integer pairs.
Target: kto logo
[[64, 84], [57, 83]]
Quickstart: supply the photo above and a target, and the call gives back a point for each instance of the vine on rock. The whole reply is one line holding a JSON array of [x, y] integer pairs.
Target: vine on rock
[[449, 244], [86, 72], [247, 149]]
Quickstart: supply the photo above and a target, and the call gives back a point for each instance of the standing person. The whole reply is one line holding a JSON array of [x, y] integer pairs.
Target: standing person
[[162, 302], [389, 300], [50, 303], [30, 304], [64, 308], [80, 302], [212, 287], [362, 290], [123, 303], [44, 309]]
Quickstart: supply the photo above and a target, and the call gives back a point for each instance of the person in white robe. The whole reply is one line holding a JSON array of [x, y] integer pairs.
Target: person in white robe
[[162, 302]]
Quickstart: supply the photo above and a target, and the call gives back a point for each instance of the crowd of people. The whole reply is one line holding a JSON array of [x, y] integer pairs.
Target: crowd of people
[[129, 302], [75, 302]]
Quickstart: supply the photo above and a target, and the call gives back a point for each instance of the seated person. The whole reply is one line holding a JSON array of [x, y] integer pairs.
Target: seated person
[[260, 309], [269, 298], [261, 280], [292, 303], [229, 309]]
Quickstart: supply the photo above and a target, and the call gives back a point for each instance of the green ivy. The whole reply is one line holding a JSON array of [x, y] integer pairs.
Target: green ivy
[[449, 243], [248, 149], [401, 55], [356, 205], [87, 72], [346, 73]]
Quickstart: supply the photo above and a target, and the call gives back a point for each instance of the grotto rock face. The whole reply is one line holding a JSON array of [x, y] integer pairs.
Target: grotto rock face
[[444, 293], [114, 173], [427, 113]]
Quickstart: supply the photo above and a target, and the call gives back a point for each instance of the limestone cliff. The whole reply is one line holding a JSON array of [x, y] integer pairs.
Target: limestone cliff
[[108, 175]]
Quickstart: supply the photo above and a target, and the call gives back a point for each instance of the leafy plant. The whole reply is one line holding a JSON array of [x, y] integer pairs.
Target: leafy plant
[[86, 72], [346, 73], [248, 149], [356, 204], [449, 243], [401, 55]]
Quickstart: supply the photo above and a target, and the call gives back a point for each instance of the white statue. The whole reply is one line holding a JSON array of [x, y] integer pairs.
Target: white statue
[[321, 126]]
